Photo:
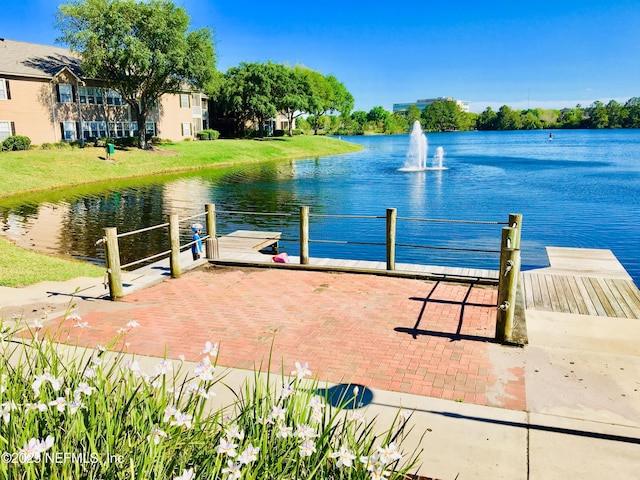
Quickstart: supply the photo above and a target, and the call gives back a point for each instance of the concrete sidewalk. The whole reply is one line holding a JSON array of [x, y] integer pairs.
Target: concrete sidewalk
[[565, 406]]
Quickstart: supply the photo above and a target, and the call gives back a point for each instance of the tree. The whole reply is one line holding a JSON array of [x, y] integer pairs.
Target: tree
[[328, 95], [487, 120], [441, 116], [632, 107], [292, 93], [142, 50], [508, 119], [378, 116], [413, 114], [598, 116], [248, 94], [617, 114], [572, 118]]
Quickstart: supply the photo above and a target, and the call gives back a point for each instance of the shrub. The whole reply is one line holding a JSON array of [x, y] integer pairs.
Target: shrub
[[278, 133], [16, 142], [297, 131], [125, 422], [203, 135], [208, 134]]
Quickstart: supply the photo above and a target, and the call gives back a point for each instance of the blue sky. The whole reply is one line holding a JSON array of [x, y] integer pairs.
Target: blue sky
[[549, 54]]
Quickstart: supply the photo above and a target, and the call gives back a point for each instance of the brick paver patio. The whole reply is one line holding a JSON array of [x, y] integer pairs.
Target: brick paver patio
[[415, 336]]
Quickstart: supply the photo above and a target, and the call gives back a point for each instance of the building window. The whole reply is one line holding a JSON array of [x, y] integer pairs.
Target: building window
[[94, 130], [119, 129], [184, 100], [5, 130], [91, 95], [65, 93], [186, 129], [114, 98], [4, 89], [69, 131]]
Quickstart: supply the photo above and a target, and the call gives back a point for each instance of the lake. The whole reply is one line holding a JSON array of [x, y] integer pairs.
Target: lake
[[581, 189]]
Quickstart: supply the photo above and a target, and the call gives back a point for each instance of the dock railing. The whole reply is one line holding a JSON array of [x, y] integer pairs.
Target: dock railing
[[509, 267]]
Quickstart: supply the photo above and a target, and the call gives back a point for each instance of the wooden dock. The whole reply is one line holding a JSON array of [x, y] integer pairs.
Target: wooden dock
[[582, 281], [248, 241], [242, 247]]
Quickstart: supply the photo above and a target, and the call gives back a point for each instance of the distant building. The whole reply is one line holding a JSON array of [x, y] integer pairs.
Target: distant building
[[424, 103]]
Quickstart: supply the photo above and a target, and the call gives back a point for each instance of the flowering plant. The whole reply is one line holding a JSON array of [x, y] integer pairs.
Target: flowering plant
[[67, 412]]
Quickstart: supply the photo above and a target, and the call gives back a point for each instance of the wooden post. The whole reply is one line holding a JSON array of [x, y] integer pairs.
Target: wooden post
[[211, 219], [211, 244], [391, 238], [515, 221], [304, 235], [174, 242], [112, 259], [507, 285]]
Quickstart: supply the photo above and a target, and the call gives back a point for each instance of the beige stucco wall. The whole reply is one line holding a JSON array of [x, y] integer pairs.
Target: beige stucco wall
[[172, 116], [30, 109]]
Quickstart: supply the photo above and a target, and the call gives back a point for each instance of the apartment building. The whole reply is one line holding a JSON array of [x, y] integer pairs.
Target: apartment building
[[45, 96]]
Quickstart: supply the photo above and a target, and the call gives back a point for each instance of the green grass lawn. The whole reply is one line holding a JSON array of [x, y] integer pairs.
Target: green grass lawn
[[35, 170], [19, 267], [41, 174]]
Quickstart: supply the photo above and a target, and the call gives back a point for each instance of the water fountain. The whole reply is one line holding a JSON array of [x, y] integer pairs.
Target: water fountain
[[437, 159], [416, 159]]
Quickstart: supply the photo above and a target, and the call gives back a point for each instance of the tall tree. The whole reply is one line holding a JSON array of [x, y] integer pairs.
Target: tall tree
[[328, 95], [142, 50], [487, 120], [598, 115], [247, 94], [292, 93]]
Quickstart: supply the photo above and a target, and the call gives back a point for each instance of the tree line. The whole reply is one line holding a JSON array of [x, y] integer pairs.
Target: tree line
[[446, 116]]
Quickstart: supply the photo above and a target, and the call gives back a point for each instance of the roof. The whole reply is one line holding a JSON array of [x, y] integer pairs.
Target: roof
[[35, 60]]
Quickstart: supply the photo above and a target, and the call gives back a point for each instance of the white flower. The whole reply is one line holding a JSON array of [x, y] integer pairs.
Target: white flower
[[301, 371], [378, 472], [307, 448], [36, 325], [133, 324], [196, 389], [41, 407], [305, 432], [156, 435], [288, 390], [284, 431], [277, 413], [169, 412], [83, 388], [56, 383], [96, 361], [163, 367], [227, 447], [181, 357], [250, 454], [82, 324], [121, 330], [74, 315], [233, 469], [205, 369], [33, 449], [89, 372], [186, 475], [60, 403], [75, 405], [344, 456], [5, 410], [233, 432], [389, 453], [210, 349], [181, 420], [101, 348]]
